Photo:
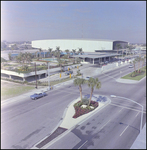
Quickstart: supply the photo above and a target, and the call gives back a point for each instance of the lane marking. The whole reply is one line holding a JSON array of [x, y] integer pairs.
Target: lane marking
[[137, 114], [82, 144], [120, 110], [104, 125], [128, 108], [124, 130]]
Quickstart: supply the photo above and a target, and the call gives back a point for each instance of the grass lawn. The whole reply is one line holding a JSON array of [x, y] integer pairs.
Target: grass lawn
[[139, 77], [15, 90]]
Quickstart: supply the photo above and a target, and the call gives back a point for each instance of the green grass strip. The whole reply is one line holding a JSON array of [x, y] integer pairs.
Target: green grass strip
[[9, 92], [139, 77]]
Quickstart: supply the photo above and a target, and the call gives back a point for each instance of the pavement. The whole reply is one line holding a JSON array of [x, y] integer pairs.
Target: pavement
[[64, 127], [67, 122]]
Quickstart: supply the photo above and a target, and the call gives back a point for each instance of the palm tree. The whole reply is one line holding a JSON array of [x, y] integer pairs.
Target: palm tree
[[67, 52], [57, 52], [92, 82], [60, 62], [143, 60], [65, 61], [50, 51], [80, 51], [10, 56], [134, 64], [73, 51], [40, 50], [138, 59], [79, 82]]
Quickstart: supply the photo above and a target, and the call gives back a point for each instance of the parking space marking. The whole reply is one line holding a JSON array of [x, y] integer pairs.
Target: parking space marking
[[124, 130]]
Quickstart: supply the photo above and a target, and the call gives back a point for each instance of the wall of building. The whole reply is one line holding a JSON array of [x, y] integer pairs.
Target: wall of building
[[86, 45], [122, 43]]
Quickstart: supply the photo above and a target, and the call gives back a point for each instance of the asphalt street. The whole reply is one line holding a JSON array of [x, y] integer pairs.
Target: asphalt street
[[27, 122]]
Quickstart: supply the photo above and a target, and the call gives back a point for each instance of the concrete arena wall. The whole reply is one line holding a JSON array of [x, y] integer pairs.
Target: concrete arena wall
[[86, 45]]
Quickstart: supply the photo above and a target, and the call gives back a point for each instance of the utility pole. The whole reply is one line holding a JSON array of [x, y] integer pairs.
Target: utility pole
[[48, 75], [35, 75]]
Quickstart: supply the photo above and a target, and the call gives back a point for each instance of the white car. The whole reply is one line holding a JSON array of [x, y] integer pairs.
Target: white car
[[130, 66], [87, 78]]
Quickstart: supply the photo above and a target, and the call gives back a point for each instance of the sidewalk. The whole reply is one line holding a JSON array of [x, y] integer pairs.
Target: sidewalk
[[140, 142]]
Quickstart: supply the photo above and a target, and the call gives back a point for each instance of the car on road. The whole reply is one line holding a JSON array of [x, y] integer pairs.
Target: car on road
[[38, 95], [130, 66], [87, 78], [68, 72]]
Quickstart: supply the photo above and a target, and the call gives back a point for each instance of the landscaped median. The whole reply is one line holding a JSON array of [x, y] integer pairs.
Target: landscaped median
[[69, 121], [136, 75]]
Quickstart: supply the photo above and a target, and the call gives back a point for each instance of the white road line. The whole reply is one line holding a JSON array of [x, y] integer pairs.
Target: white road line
[[120, 110], [137, 114], [128, 108], [104, 125], [109, 76], [124, 130], [82, 144]]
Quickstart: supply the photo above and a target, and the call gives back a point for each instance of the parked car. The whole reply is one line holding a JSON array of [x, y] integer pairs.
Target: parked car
[[130, 66], [38, 95], [68, 72], [106, 62]]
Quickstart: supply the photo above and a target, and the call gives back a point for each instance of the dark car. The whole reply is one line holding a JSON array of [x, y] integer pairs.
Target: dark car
[[68, 72], [38, 95]]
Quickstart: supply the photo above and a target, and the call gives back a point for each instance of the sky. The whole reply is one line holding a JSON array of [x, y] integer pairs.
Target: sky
[[41, 20]]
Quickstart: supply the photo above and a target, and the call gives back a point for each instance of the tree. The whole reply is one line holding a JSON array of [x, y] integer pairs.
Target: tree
[[40, 50], [65, 61], [79, 82], [50, 51], [92, 82], [134, 64], [80, 51], [118, 46], [143, 60], [60, 62], [138, 59], [73, 51], [10, 56], [78, 60], [67, 52], [57, 52]]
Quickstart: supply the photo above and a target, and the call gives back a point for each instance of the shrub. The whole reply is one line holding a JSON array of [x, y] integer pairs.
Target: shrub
[[85, 101], [81, 111]]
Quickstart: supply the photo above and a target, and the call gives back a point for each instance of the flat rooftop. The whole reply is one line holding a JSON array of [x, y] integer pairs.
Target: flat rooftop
[[96, 55]]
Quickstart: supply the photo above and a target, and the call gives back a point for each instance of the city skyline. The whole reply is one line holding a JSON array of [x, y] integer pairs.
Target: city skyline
[[37, 20]]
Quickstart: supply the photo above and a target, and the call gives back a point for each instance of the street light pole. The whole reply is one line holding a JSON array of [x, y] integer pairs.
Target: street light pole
[[48, 76], [134, 102], [35, 75]]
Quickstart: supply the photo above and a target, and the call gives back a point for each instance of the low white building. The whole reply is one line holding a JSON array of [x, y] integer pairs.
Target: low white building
[[87, 45]]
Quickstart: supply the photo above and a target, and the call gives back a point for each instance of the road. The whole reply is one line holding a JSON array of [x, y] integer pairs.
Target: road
[[25, 123]]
